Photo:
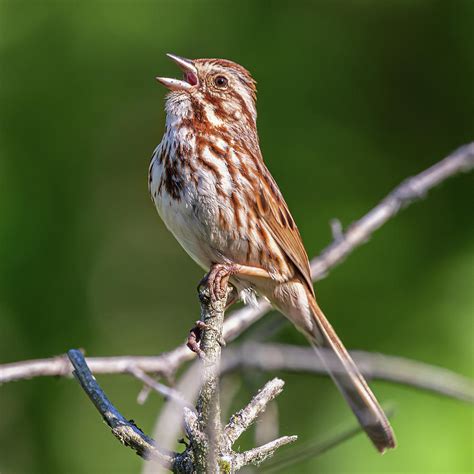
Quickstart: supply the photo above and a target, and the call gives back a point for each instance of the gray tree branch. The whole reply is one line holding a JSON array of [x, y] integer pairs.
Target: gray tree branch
[[257, 455], [241, 421], [271, 357], [211, 447], [208, 403], [409, 191], [160, 388], [210, 451], [124, 430]]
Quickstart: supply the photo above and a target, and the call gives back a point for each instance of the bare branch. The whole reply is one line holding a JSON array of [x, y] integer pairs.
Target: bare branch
[[410, 190], [165, 364], [158, 387], [124, 430], [245, 417], [258, 455], [271, 357], [210, 450], [29, 369], [242, 420], [208, 403], [169, 422]]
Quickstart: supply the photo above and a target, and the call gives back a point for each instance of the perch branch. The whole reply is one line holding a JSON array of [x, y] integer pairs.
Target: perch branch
[[212, 448], [410, 190], [208, 403]]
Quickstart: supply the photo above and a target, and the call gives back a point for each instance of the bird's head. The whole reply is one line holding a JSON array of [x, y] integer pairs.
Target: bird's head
[[216, 90]]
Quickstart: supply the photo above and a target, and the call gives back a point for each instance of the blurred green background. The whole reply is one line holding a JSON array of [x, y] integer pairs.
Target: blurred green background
[[354, 96]]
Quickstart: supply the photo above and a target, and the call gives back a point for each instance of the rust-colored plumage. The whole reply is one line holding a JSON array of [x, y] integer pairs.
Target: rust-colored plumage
[[210, 185]]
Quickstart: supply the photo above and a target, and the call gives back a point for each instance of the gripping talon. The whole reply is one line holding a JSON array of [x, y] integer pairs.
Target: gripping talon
[[217, 280], [194, 338]]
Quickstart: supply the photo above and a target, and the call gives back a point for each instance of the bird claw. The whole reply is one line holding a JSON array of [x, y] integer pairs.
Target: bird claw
[[217, 280], [195, 336]]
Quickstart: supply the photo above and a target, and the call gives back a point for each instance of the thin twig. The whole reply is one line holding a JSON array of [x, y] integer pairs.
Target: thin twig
[[158, 387], [167, 427], [313, 449], [241, 421], [165, 364], [258, 455], [192, 427], [409, 191], [124, 430]]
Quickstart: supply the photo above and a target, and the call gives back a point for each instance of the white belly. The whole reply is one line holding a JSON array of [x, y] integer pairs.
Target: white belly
[[203, 221], [191, 219]]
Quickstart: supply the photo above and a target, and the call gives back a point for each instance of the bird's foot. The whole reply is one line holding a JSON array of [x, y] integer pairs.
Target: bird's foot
[[195, 336], [217, 281]]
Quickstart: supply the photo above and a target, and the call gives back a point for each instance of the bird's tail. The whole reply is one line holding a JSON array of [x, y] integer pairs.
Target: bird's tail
[[350, 381]]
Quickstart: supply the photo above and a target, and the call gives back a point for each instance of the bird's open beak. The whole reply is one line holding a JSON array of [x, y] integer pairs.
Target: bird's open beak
[[190, 77]]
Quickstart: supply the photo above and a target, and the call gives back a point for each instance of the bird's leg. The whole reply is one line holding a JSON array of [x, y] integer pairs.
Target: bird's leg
[[217, 281]]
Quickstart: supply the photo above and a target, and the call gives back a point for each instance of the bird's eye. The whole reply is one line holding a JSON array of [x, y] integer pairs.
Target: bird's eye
[[220, 81]]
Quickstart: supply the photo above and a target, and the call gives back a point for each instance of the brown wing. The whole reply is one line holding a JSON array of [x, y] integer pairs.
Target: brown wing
[[275, 213]]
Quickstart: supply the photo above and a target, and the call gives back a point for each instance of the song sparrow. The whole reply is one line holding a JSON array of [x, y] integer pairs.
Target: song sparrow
[[212, 189]]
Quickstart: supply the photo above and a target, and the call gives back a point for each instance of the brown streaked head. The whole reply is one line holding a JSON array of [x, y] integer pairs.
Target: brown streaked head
[[214, 74], [226, 86]]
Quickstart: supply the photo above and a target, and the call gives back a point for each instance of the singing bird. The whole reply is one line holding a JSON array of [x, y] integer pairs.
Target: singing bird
[[214, 193]]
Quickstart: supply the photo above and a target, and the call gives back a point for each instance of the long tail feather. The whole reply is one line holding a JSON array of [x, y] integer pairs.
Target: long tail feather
[[350, 382]]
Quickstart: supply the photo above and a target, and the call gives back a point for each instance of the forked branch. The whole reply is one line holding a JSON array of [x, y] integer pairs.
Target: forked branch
[[212, 446], [210, 450]]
